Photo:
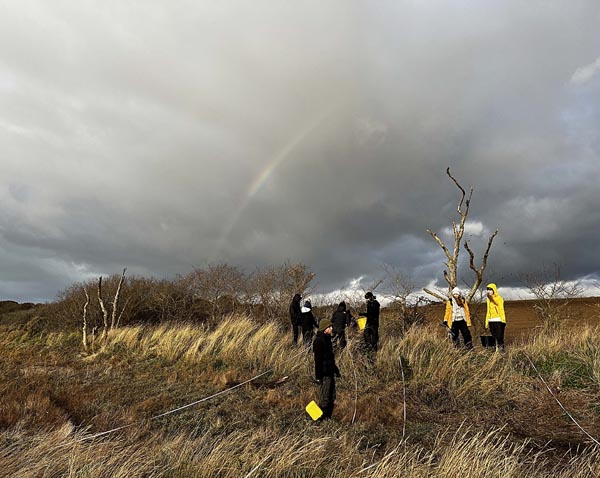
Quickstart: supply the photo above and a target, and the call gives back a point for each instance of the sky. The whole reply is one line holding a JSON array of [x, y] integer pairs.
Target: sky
[[163, 136]]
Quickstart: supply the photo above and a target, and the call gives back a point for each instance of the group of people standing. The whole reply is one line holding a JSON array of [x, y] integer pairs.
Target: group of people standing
[[304, 322], [331, 333], [458, 318]]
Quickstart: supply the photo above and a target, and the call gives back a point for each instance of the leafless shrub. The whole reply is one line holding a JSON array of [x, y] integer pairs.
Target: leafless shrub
[[399, 286], [145, 300], [220, 285], [214, 292], [552, 294], [273, 287]]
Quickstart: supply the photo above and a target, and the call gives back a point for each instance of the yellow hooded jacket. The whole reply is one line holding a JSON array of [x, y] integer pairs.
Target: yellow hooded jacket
[[495, 306], [448, 314]]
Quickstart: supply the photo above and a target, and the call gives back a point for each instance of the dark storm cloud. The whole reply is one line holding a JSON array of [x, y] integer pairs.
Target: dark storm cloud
[[160, 137]]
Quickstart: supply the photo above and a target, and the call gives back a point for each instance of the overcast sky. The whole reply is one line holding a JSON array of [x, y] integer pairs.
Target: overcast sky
[[160, 136]]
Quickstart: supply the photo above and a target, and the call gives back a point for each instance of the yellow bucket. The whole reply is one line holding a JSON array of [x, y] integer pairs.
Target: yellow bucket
[[361, 322], [314, 410]]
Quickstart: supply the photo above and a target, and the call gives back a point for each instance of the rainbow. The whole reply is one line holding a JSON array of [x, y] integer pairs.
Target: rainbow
[[263, 176]]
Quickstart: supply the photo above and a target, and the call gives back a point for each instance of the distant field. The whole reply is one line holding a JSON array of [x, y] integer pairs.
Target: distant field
[[521, 317], [522, 320]]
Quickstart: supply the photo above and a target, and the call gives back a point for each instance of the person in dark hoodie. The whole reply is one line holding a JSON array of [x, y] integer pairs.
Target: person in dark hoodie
[[309, 324], [325, 368], [371, 333], [296, 316], [339, 320]]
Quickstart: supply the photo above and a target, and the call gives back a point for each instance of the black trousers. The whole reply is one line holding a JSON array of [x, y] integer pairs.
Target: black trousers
[[339, 339], [296, 331], [327, 396], [460, 326], [497, 331], [370, 337], [307, 335]]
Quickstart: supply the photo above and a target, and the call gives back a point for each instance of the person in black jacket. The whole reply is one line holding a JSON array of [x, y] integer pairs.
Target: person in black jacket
[[325, 368], [296, 316], [309, 324], [371, 333], [340, 318]]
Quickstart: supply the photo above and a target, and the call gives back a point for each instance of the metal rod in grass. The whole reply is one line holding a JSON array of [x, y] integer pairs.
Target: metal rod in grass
[[403, 399], [386, 457], [558, 401], [108, 432], [257, 466], [355, 382]]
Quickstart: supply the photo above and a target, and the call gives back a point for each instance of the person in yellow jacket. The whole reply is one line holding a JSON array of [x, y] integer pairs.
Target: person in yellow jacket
[[495, 319], [458, 318]]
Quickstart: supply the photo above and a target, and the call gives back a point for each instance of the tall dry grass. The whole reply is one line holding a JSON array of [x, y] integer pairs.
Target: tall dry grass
[[469, 414], [235, 340], [328, 451]]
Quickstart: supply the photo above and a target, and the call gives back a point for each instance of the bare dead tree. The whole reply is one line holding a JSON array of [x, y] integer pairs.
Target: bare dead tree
[[400, 286], [84, 331], [219, 284], [104, 311], [552, 294], [264, 284], [115, 304], [272, 287], [373, 285], [295, 279], [458, 230]]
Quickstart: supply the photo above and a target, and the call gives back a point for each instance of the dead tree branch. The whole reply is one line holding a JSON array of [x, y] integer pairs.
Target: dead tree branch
[[84, 331], [115, 303], [435, 294], [122, 312], [104, 312], [478, 271]]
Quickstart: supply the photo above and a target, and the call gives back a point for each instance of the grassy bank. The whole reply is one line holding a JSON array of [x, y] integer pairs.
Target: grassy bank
[[467, 413]]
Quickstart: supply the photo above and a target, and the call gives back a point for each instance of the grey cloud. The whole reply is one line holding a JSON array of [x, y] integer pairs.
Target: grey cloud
[[258, 132]]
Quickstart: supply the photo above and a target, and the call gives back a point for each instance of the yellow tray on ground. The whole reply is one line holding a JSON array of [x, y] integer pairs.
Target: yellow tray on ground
[[314, 410], [361, 322]]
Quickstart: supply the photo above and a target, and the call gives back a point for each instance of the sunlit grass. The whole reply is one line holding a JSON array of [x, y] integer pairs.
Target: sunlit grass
[[469, 413]]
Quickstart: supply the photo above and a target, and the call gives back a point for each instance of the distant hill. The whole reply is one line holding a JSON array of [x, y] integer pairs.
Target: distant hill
[[8, 306]]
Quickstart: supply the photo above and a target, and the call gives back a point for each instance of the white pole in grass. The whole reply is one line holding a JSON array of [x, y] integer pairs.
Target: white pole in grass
[[558, 401]]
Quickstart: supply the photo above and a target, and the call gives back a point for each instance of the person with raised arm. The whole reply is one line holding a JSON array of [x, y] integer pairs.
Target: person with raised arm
[[495, 319]]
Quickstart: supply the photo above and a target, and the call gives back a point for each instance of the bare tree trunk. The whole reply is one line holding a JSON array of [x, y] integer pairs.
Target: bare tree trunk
[[84, 334], [452, 256], [115, 304], [104, 312], [458, 231]]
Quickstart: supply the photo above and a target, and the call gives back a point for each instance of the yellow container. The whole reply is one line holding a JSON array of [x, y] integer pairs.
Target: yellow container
[[314, 410], [361, 322]]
